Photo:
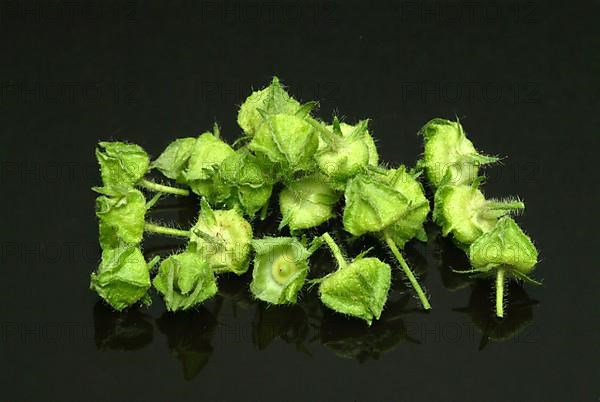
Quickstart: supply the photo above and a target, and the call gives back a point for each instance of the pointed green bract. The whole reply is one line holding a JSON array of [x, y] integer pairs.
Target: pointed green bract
[[121, 164], [307, 202], [287, 141], [280, 269], [463, 212], [185, 280], [248, 180], [359, 289], [122, 279], [270, 100], [223, 238], [371, 205], [121, 217], [348, 129], [174, 159], [410, 225], [505, 247], [449, 157], [206, 156]]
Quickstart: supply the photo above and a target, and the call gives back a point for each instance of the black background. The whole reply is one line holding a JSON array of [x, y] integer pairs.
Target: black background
[[522, 76]]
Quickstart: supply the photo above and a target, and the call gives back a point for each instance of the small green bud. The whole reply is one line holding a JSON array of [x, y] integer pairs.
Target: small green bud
[[504, 247], [207, 154], [449, 157], [223, 238], [288, 141], [174, 159], [410, 225], [307, 202], [121, 217], [123, 277], [185, 280], [359, 289], [248, 179], [280, 268], [270, 100], [371, 205], [121, 164], [463, 212]]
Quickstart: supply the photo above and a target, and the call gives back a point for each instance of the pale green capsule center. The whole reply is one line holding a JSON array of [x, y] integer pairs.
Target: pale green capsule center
[[283, 268]]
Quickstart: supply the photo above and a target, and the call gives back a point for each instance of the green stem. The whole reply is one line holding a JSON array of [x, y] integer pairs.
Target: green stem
[[335, 250], [152, 228], [500, 293], [413, 281], [161, 188], [505, 205]]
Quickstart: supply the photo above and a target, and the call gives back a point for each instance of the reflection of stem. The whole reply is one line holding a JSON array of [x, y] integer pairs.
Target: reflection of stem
[[408, 272], [152, 228], [500, 293], [161, 188], [335, 250]]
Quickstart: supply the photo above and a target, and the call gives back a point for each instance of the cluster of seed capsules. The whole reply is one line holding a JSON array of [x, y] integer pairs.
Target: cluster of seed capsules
[[314, 167]]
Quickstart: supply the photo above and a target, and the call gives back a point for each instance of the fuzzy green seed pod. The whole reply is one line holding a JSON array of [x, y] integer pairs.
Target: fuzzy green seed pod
[[359, 288], [505, 247], [121, 164], [185, 280], [248, 180], [174, 159], [463, 212], [450, 157], [504, 252], [270, 100], [121, 217], [347, 129], [206, 156], [280, 268], [371, 205], [288, 141], [307, 202], [223, 238], [343, 155], [123, 277], [410, 225]]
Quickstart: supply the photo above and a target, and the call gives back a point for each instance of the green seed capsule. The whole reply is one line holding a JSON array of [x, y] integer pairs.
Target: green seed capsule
[[288, 141], [174, 159], [359, 289], [121, 165], [248, 181], [371, 205], [449, 157], [463, 212], [223, 238], [307, 202], [185, 280], [342, 156], [121, 218], [504, 252], [123, 278], [280, 269], [346, 130], [270, 100], [504, 247], [206, 156]]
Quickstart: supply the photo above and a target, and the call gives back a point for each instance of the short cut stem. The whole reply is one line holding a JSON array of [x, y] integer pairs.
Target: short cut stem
[[161, 188], [152, 228], [411, 277], [500, 293], [335, 250]]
